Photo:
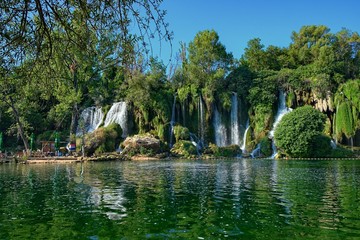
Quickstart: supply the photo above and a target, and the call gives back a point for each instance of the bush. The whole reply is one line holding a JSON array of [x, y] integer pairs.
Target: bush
[[227, 151], [321, 146], [184, 148], [340, 152], [265, 147], [181, 133], [298, 133]]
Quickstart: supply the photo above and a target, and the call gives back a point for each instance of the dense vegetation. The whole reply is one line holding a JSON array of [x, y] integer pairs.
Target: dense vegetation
[[299, 131], [57, 61]]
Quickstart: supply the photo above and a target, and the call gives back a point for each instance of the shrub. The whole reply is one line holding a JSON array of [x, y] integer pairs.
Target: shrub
[[227, 151], [298, 132], [265, 147], [184, 148], [181, 133]]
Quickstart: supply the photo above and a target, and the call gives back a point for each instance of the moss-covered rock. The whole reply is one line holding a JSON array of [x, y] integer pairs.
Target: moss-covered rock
[[184, 148], [144, 144], [103, 139], [227, 151]]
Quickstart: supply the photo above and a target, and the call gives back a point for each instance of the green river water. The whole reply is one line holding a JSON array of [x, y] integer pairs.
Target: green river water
[[182, 199]]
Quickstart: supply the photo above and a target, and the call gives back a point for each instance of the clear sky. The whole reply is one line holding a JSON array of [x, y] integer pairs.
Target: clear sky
[[238, 21]]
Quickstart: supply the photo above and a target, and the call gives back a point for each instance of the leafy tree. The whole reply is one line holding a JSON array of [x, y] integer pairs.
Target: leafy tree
[[150, 97], [298, 130], [262, 97], [76, 40], [307, 44], [208, 63]]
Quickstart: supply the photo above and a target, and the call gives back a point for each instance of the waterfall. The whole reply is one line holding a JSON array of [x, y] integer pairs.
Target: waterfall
[[333, 144], [220, 129], [172, 122], [118, 114], [195, 141], [282, 111], [235, 134], [256, 152], [243, 146], [201, 122], [91, 118]]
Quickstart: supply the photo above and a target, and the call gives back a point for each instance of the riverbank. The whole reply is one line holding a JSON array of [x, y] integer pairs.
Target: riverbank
[[118, 157]]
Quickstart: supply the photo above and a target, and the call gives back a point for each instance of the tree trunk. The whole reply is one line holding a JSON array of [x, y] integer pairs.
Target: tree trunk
[[20, 126], [74, 114], [74, 121]]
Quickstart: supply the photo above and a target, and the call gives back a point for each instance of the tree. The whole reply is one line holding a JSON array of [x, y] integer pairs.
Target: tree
[[27, 25], [298, 130], [37, 30], [208, 63]]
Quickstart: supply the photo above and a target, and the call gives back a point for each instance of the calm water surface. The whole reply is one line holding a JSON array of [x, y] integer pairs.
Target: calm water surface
[[232, 199]]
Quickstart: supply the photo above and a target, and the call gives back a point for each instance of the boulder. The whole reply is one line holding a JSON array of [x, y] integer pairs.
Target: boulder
[[141, 144]]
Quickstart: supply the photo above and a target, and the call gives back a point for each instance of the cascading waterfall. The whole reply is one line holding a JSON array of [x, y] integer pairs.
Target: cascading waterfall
[[172, 122], [256, 152], [201, 122], [333, 144], [90, 119], [243, 146], [118, 114], [220, 129], [235, 134], [282, 111]]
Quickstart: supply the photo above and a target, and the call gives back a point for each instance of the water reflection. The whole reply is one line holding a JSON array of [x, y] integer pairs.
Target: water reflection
[[264, 199]]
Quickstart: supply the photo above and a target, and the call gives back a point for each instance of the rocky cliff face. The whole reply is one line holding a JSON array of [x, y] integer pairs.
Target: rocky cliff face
[[323, 104]]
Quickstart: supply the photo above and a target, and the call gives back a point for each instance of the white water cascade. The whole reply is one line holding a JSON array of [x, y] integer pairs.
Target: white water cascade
[[235, 134], [118, 114], [282, 111], [90, 119], [220, 129], [243, 146]]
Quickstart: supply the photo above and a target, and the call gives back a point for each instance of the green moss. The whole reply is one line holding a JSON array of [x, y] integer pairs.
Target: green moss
[[291, 99]]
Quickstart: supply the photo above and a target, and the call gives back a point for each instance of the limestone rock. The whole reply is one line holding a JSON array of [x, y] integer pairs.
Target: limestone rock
[[138, 142]]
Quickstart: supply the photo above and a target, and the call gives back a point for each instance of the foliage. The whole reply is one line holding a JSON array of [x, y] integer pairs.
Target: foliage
[[347, 119], [321, 146], [208, 64], [298, 132], [181, 133], [104, 139], [227, 151], [184, 148], [341, 152], [265, 147], [262, 97]]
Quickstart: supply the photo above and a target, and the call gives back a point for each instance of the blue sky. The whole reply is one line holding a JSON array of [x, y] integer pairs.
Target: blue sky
[[238, 21]]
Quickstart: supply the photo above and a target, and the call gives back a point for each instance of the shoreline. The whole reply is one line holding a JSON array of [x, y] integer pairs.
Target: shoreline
[[139, 158]]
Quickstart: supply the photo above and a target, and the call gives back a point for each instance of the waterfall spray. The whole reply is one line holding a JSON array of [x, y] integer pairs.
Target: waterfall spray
[[282, 111], [235, 134], [118, 114]]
